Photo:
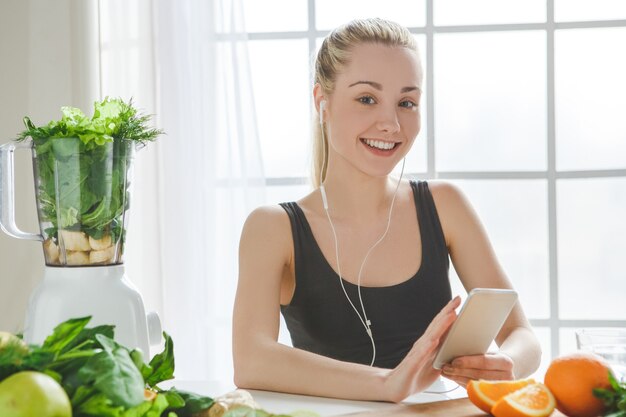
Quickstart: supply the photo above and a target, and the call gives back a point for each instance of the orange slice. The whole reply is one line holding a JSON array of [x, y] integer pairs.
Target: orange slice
[[484, 394], [534, 400]]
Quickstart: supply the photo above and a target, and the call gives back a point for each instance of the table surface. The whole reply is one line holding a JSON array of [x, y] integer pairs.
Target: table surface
[[275, 402]]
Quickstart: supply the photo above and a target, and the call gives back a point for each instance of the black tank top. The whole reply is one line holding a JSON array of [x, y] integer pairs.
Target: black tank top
[[320, 318]]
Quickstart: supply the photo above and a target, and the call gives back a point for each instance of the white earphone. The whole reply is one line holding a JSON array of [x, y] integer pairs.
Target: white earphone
[[364, 320], [367, 324]]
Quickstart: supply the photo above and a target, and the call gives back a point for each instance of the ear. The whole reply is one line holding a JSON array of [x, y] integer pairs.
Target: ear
[[318, 96]]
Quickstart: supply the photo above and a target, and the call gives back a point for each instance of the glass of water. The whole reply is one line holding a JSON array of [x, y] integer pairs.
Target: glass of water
[[608, 342]]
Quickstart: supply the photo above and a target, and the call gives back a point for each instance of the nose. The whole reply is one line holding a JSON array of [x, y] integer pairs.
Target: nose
[[388, 121]]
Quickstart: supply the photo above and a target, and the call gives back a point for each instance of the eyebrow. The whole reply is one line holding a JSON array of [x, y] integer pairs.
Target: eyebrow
[[378, 86]]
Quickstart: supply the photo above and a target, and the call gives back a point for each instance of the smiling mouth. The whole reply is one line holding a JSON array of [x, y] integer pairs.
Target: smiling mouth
[[379, 144]]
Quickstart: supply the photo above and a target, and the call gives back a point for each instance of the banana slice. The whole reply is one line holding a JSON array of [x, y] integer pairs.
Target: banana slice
[[52, 251], [102, 256], [100, 244], [74, 241], [77, 257]]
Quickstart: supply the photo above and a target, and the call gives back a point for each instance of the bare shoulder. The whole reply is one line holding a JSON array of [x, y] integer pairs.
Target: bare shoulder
[[447, 196], [454, 209], [267, 222], [267, 229]]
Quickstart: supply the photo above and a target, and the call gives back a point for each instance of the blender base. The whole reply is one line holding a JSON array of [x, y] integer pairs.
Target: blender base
[[102, 292]]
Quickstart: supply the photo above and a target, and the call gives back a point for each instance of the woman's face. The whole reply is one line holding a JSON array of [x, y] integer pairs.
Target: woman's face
[[373, 115]]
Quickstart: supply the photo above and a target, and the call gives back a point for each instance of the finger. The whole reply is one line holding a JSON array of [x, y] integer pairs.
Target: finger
[[470, 373], [493, 361]]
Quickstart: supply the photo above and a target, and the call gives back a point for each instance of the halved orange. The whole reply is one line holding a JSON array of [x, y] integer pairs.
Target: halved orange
[[484, 394], [534, 400]]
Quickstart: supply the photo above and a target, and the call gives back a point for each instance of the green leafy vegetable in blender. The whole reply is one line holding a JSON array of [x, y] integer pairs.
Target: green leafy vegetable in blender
[[81, 167]]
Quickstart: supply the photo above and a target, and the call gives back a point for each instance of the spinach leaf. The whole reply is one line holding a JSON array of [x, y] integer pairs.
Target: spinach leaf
[[149, 408], [137, 356], [162, 364], [193, 403], [86, 338], [114, 374], [81, 166], [64, 333], [99, 405]]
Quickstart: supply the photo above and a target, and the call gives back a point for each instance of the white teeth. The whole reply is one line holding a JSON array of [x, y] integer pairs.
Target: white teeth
[[380, 144]]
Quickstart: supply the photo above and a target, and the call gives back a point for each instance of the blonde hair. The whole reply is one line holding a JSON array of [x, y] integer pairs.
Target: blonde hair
[[334, 55]]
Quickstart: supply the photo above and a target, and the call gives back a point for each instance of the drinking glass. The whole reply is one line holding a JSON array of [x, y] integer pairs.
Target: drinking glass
[[609, 343]]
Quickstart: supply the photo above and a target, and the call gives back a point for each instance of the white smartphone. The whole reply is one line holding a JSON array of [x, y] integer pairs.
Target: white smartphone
[[478, 323]]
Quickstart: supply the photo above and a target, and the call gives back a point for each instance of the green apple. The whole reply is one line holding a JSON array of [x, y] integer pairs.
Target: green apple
[[33, 394]]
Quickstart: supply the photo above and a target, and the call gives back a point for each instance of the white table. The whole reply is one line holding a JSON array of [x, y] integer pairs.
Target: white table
[[275, 402]]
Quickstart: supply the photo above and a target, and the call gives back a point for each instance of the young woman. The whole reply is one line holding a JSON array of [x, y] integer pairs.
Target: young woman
[[359, 267]]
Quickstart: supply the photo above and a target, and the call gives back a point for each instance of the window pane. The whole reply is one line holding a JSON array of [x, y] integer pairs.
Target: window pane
[[269, 15], [490, 101], [329, 13], [592, 243], [479, 12], [515, 215], [280, 82], [590, 98], [567, 340], [580, 10]]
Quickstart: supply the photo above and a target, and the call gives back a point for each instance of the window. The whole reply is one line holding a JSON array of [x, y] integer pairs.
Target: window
[[521, 109]]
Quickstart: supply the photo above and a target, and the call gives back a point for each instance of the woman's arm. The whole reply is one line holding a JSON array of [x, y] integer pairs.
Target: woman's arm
[[477, 266], [262, 363]]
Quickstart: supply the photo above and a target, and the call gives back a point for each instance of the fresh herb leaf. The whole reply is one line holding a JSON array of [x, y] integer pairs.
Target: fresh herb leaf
[[162, 364], [81, 395], [175, 399], [148, 408], [187, 403], [614, 399], [114, 374], [64, 333], [82, 164], [99, 405], [86, 338]]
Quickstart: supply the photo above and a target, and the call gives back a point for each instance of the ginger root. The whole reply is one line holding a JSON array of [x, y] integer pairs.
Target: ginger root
[[229, 401]]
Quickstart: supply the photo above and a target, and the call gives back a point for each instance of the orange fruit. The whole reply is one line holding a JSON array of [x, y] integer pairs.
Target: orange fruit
[[572, 378], [484, 394], [534, 400]]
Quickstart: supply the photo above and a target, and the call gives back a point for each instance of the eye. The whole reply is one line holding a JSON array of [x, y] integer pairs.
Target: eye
[[366, 100], [408, 104]]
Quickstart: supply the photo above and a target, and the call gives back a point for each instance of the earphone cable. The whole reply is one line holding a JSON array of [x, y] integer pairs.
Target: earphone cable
[[376, 244], [364, 320], [332, 226]]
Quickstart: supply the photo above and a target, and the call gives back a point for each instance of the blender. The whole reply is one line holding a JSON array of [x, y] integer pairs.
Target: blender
[[82, 190]]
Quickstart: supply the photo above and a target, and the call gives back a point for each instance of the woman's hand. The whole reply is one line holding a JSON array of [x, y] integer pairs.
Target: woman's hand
[[416, 373], [491, 366]]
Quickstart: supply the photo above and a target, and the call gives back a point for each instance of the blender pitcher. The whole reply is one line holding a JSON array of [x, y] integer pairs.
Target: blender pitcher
[[83, 193]]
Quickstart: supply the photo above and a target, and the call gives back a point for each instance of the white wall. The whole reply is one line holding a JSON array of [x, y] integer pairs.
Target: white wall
[[48, 58]]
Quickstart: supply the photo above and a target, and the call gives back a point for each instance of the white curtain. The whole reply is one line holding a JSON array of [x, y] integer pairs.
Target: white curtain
[[208, 173]]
